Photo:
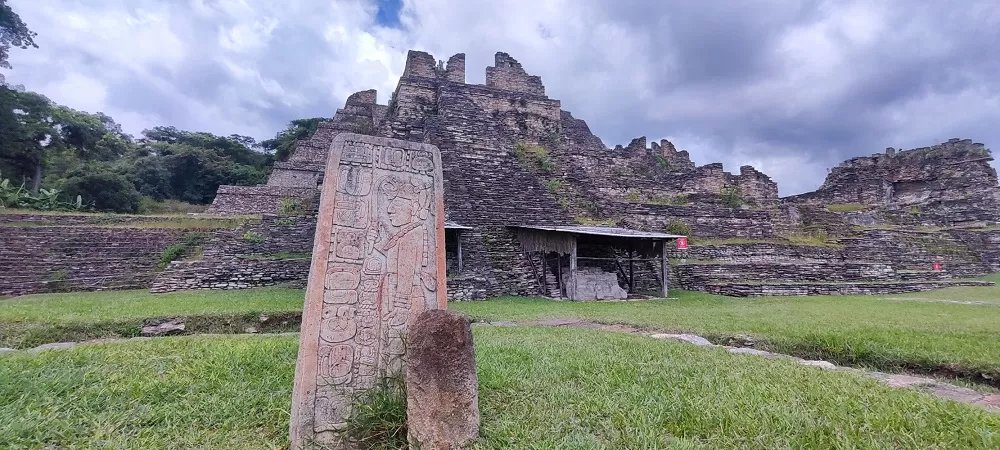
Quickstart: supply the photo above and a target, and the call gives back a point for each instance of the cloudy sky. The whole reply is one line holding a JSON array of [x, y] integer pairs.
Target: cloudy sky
[[791, 87]]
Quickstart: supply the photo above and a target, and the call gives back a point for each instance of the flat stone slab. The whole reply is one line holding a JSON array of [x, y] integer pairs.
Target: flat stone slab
[[378, 262], [162, 329], [689, 338]]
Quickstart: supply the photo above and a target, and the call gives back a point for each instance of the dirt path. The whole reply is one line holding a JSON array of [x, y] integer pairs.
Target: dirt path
[[927, 385]]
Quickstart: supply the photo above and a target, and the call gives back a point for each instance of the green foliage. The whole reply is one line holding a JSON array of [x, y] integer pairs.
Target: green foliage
[[845, 207], [45, 200], [291, 207], [633, 197], [378, 417], [253, 237], [534, 155], [662, 162], [554, 185], [732, 196], [13, 33], [149, 205], [185, 247], [105, 191], [45, 145], [283, 144], [678, 227], [915, 210]]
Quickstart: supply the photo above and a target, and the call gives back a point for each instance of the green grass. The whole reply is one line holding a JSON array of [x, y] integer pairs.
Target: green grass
[[36, 319], [845, 207], [539, 388], [914, 331], [887, 333]]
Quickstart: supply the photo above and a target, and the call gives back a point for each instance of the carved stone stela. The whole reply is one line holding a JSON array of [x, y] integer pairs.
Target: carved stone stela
[[378, 261]]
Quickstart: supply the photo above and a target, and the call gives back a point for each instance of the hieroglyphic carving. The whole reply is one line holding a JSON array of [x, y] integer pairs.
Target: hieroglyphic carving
[[378, 262]]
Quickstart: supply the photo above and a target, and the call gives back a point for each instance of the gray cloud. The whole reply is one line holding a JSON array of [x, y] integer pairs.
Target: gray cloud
[[791, 87]]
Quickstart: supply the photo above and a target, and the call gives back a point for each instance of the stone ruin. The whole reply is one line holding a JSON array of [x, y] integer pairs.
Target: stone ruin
[[512, 156]]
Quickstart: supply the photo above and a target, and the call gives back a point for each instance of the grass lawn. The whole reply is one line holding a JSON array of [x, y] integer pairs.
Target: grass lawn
[[539, 388], [881, 332], [36, 319], [915, 331]]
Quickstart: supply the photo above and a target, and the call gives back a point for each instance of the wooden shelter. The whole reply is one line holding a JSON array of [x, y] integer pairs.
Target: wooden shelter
[[559, 251]]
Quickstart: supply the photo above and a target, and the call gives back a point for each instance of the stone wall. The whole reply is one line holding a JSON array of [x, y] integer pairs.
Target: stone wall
[[705, 220], [267, 199], [53, 253], [508, 75], [275, 249]]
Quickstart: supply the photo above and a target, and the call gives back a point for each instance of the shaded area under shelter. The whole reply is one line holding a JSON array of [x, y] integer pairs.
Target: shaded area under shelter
[[596, 263]]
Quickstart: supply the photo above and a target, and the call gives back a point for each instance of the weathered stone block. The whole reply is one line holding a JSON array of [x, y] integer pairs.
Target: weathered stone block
[[442, 397], [594, 284]]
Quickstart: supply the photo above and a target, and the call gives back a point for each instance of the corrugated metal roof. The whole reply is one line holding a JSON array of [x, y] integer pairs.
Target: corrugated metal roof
[[603, 231], [455, 226]]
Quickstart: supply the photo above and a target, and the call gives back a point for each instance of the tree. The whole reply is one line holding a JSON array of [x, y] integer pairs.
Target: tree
[[104, 190], [13, 33], [25, 134], [283, 144]]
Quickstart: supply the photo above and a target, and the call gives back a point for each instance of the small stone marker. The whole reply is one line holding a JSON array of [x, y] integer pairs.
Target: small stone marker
[[378, 262], [442, 401]]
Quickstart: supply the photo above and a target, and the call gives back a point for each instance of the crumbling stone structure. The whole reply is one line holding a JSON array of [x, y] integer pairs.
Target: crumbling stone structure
[[512, 156]]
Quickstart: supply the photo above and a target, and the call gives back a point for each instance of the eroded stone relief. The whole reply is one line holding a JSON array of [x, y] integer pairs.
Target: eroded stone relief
[[380, 251]]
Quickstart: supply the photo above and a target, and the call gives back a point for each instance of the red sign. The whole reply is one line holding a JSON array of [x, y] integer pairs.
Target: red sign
[[937, 266], [682, 243]]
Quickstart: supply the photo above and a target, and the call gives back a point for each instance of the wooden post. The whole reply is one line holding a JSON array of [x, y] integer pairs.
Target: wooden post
[[559, 276], [572, 270], [631, 271], [664, 268], [461, 264]]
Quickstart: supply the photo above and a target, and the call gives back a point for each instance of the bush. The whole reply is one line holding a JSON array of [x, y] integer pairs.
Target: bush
[[677, 227], [105, 191], [554, 185], [188, 245], [662, 162], [535, 155], [732, 196], [291, 207], [253, 237]]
